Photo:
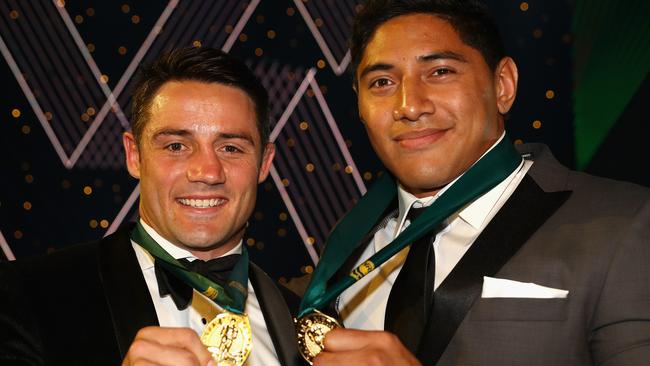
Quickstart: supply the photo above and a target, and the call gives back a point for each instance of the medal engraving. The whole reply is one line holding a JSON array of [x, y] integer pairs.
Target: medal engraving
[[311, 330], [228, 338]]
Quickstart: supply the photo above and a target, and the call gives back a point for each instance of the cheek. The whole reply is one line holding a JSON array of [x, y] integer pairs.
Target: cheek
[[243, 175], [372, 108], [164, 177], [377, 137], [466, 104], [490, 101], [377, 122]]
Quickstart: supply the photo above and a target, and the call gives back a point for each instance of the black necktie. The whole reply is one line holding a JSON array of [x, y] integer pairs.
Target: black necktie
[[412, 294], [217, 270]]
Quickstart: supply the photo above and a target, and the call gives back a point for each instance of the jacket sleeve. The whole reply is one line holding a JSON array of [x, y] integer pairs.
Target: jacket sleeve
[[19, 340], [620, 328]]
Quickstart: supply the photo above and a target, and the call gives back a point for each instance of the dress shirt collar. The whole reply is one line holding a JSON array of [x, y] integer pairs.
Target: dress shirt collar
[[173, 250], [474, 213]]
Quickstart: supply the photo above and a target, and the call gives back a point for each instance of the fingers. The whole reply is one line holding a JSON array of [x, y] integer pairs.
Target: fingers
[[358, 347], [184, 338], [167, 346], [352, 339]]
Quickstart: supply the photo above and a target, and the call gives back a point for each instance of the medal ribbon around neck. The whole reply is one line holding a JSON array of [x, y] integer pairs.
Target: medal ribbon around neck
[[486, 173], [231, 298]]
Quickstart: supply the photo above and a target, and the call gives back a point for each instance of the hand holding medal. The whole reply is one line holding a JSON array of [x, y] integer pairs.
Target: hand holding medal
[[166, 346], [311, 324], [228, 337], [311, 330]]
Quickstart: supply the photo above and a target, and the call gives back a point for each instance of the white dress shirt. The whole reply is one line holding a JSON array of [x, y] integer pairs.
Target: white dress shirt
[[202, 309], [363, 305]]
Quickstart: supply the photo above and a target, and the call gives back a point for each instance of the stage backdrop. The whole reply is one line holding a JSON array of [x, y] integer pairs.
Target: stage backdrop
[[67, 69]]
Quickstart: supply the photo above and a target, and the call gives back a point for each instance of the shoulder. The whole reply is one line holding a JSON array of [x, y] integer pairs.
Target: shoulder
[[56, 263], [69, 262], [591, 194]]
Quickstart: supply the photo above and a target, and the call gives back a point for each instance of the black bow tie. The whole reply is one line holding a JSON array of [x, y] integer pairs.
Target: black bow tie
[[217, 270]]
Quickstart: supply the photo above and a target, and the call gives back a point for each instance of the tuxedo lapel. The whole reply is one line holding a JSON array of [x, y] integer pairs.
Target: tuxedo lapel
[[125, 288], [524, 212], [276, 316]]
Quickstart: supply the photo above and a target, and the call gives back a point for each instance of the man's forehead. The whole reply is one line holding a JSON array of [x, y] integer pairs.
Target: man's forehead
[[199, 128], [401, 30], [414, 37], [159, 100]]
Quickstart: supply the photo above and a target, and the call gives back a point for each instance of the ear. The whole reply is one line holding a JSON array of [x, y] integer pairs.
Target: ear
[[267, 160], [132, 154], [506, 77]]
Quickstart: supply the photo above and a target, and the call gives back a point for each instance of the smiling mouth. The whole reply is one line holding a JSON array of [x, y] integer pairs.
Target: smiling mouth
[[416, 139], [202, 203]]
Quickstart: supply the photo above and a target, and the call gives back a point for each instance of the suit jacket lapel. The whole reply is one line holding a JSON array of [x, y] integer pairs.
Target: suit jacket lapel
[[125, 288], [529, 207], [277, 317]]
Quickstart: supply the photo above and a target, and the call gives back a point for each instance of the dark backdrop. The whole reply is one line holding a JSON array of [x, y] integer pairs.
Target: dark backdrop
[[67, 69]]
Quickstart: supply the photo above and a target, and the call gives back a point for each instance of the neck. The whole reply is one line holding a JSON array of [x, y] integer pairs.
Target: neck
[[422, 193]]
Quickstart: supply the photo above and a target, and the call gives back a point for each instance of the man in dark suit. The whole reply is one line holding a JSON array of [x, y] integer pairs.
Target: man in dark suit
[[544, 266], [199, 146]]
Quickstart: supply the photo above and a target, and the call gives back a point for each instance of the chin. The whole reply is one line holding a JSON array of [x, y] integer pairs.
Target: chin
[[423, 184], [198, 240]]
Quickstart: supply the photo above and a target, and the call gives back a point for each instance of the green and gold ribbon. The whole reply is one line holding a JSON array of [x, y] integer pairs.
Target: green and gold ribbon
[[486, 173], [231, 298]]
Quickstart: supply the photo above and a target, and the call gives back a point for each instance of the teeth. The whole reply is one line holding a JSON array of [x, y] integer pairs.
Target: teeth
[[201, 203]]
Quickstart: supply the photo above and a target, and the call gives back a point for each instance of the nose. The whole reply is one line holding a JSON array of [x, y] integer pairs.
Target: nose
[[412, 102], [205, 167]]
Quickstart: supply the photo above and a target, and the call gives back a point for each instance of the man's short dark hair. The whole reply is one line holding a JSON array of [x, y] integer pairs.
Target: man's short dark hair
[[197, 64], [470, 19]]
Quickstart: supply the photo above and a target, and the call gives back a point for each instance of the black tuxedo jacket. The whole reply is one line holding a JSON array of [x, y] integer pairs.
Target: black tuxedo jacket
[[83, 306]]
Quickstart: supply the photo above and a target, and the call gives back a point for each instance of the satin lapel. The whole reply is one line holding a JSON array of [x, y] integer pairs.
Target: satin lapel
[[277, 317], [529, 207], [125, 288]]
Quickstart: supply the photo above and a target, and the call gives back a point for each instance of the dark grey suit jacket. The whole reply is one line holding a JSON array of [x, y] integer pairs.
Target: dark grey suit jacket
[[560, 229], [596, 245], [83, 306]]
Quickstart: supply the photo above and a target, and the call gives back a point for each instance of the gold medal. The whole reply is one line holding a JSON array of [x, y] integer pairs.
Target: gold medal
[[228, 338], [311, 330]]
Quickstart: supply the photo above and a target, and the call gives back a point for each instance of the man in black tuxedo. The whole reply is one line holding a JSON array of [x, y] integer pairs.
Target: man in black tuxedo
[[545, 266], [199, 146]]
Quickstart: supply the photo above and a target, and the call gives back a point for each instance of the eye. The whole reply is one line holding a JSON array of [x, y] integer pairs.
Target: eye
[[174, 146], [231, 149], [442, 71], [381, 83]]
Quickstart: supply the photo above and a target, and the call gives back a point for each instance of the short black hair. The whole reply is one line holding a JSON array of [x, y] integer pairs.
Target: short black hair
[[470, 18], [198, 64]]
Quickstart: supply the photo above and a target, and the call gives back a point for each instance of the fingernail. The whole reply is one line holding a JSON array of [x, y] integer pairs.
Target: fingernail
[[212, 363]]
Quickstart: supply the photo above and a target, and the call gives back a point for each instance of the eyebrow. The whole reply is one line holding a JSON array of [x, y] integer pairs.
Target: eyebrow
[[171, 132], [240, 136], [184, 132], [445, 55], [374, 67]]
